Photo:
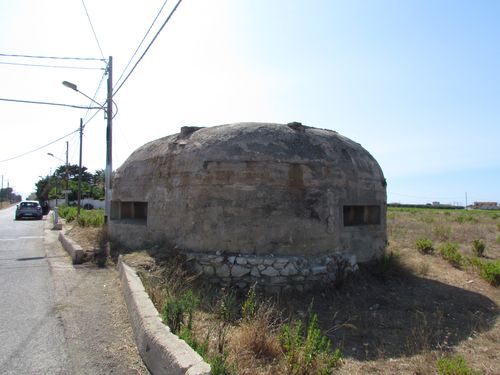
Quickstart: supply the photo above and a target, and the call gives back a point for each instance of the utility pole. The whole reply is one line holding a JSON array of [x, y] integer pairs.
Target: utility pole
[[109, 143], [67, 176], [80, 171]]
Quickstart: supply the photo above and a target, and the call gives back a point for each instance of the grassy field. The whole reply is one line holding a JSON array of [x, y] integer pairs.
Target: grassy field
[[431, 305]]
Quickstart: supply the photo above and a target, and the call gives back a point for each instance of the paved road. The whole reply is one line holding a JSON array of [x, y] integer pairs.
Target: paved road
[[31, 334], [56, 318]]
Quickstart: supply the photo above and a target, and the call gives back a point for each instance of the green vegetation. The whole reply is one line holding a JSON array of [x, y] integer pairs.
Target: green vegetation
[[488, 270], [478, 247], [308, 352], [454, 366], [424, 246], [449, 251], [87, 218]]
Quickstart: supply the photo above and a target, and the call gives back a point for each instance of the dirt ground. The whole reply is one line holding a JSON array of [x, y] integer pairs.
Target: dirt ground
[[91, 308], [403, 315]]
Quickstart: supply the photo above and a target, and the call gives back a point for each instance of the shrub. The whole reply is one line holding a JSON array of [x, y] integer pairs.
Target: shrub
[[88, 218], [478, 247], [449, 251], [424, 246], [178, 311], [308, 352], [454, 366], [489, 271]]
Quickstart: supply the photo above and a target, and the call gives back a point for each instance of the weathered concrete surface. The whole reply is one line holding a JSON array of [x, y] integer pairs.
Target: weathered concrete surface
[[162, 351], [72, 248], [252, 188]]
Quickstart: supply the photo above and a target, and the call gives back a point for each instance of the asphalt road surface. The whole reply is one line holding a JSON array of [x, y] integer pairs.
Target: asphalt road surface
[[56, 318]]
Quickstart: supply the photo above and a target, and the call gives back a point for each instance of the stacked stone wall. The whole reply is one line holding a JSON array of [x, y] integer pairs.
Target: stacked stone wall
[[272, 273]]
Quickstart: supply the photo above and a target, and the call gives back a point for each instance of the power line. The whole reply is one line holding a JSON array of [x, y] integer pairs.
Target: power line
[[149, 46], [142, 41], [46, 103], [53, 57], [51, 66], [39, 148], [92, 27]]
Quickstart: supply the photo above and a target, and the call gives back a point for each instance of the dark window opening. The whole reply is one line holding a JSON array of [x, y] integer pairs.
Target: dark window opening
[[361, 215], [130, 211]]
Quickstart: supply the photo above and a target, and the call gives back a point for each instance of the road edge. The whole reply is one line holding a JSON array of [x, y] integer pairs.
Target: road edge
[[161, 350]]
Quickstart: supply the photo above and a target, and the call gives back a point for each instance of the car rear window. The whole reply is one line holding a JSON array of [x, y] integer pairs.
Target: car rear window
[[29, 204]]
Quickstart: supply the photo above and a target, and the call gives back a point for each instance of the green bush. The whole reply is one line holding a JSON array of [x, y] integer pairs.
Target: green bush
[[308, 352], [454, 366], [424, 246], [489, 271], [478, 247], [178, 311], [88, 218], [449, 251]]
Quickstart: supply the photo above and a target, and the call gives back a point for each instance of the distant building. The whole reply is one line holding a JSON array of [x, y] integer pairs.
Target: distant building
[[486, 206]]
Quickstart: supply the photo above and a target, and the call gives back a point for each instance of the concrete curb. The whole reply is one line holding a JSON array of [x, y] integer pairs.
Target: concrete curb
[[73, 249], [161, 350]]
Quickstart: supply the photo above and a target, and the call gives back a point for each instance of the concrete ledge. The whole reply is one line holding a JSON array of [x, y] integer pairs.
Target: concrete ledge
[[73, 249], [161, 350]]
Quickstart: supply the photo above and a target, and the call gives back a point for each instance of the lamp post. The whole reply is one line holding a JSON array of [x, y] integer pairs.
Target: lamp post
[[66, 191], [109, 133]]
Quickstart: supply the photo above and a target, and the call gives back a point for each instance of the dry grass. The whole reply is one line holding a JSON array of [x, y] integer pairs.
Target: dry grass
[[399, 315]]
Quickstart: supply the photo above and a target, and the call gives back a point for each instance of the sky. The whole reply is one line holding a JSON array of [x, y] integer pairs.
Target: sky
[[415, 82]]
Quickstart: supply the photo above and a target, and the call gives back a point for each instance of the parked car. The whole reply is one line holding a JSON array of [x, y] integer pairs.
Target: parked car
[[29, 209]]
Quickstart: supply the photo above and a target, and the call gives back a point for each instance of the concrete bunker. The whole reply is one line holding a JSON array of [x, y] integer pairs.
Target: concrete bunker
[[279, 204]]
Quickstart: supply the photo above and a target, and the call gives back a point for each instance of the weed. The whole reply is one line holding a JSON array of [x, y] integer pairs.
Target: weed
[[386, 265], [466, 217], [308, 352], [478, 247], [249, 306], [449, 251], [228, 307], [178, 312], [423, 268], [428, 219], [101, 253], [220, 366], [441, 232], [259, 334], [497, 240], [454, 366], [489, 271], [424, 246]]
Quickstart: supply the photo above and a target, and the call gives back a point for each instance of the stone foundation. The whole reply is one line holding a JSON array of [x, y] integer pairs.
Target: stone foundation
[[272, 273]]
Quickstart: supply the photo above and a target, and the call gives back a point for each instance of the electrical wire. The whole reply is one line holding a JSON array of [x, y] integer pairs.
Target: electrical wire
[[47, 103], [148, 47], [54, 57], [51, 66], [142, 41], [92, 27], [39, 148]]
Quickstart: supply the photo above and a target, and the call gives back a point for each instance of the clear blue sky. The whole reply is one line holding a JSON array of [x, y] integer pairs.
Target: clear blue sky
[[417, 83]]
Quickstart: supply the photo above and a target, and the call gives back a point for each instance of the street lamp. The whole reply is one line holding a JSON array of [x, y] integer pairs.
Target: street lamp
[[66, 191], [109, 133]]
